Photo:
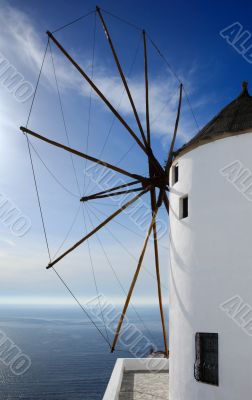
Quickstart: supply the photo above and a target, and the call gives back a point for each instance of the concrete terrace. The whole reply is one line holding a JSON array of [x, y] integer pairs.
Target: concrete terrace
[[138, 379], [139, 385]]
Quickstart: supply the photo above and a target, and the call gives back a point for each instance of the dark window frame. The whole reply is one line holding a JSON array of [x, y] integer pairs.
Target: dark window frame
[[175, 174], [206, 367], [184, 207]]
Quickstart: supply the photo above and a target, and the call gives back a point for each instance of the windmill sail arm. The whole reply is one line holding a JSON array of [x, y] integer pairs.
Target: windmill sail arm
[[154, 205], [140, 261], [147, 151], [122, 75], [157, 166], [97, 90], [146, 89], [83, 155], [102, 196], [114, 188], [101, 225], [166, 202], [159, 286], [170, 155]]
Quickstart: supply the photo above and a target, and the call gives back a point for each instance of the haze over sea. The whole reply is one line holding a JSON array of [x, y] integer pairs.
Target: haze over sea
[[69, 358]]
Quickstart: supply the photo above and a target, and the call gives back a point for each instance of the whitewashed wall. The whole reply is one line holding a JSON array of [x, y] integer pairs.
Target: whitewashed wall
[[211, 262]]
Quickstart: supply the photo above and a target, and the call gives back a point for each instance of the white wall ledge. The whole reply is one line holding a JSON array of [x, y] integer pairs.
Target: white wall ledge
[[132, 364]]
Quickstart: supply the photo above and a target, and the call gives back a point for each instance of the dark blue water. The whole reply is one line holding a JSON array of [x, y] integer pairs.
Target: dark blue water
[[69, 359]]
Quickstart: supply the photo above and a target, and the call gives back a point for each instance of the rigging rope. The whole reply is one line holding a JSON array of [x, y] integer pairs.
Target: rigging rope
[[117, 277], [122, 20], [52, 174], [40, 207], [190, 106], [81, 306], [152, 122], [90, 103], [151, 40], [114, 118], [69, 231], [63, 117], [161, 55], [124, 247], [73, 22], [95, 280], [33, 170], [30, 155], [77, 183], [120, 223], [176, 76]]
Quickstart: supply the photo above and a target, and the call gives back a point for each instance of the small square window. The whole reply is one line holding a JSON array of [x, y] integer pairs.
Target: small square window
[[206, 367], [183, 207], [175, 174]]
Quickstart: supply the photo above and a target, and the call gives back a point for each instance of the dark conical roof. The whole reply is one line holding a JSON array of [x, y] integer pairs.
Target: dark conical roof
[[234, 119]]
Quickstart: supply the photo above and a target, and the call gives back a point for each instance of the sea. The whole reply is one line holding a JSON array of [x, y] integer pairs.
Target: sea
[[62, 354]]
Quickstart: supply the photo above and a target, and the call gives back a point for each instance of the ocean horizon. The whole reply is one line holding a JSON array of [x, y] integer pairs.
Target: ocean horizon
[[69, 358]]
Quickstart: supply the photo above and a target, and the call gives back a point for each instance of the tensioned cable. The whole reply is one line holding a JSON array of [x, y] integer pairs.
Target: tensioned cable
[[39, 202], [78, 188], [69, 231], [114, 118], [121, 98], [176, 76], [122, 20], [120, 223], [119, 104], [90, 103], [153, 43], [81, 306], [122, 245], [164, 59], [84, 181], [152, 122], [75, 174], [45, 236], [190, 106], [95, 280], [52, 174], [30, 155], [161, 55], [116, 276], [73, 22], [63, 117]]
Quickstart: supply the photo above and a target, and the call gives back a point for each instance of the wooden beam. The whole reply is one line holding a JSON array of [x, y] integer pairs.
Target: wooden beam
[[154, 204], [95, 88], [102, 196], [146, 90], [159, 285], [101, 225], [147, 151], [114, 188], [122, 75], [170, 155], [133, 283], [83, 155], [166, 203]]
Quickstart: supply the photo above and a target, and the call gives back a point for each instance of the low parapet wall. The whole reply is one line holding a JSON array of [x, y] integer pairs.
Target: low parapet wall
[[132, 364]]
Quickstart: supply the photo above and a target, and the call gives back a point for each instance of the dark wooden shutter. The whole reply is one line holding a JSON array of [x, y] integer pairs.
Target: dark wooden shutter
[[176, 173], [185, 207], [206, 368]]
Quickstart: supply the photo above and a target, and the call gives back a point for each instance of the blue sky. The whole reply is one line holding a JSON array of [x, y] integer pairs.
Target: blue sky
[[212, 70]]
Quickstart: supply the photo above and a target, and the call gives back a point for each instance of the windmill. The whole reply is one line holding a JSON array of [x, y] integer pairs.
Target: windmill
[[156, 183]]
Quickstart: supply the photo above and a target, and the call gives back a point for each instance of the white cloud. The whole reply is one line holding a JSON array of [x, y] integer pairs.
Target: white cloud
[[24, 47]]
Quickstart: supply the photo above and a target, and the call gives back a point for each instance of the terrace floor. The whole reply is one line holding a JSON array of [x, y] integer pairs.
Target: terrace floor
[[139, 385]]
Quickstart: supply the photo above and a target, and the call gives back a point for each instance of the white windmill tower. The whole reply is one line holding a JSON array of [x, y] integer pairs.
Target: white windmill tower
[[211, 259]]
